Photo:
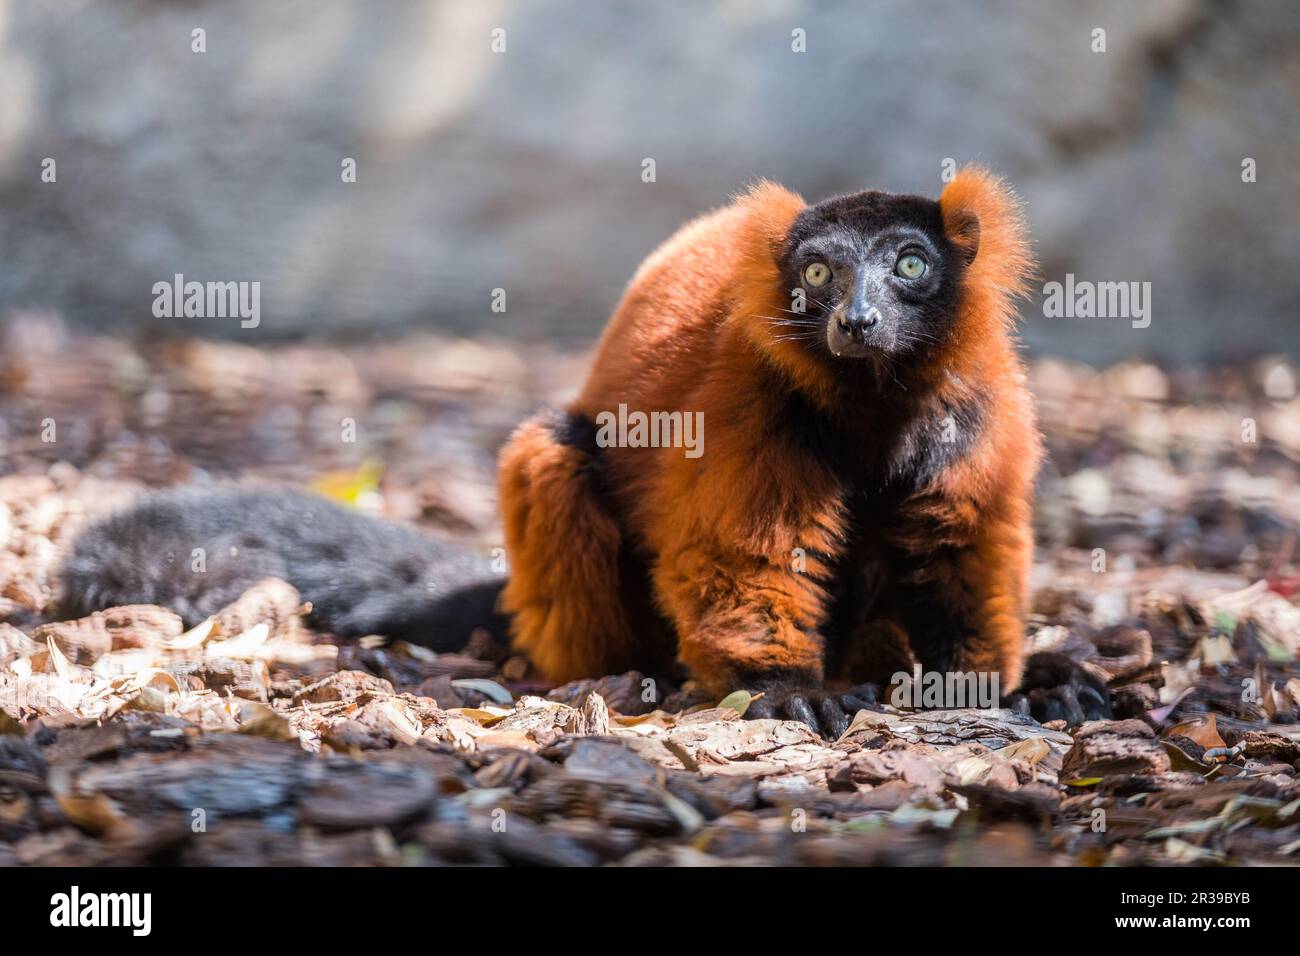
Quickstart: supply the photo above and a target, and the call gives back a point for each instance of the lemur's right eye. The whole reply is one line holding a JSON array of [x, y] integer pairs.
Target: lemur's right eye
[[910, 266], [817, 274]]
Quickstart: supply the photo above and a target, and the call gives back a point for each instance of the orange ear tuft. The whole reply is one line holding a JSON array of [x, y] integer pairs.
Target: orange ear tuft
[[767, 211], [983, 218], [770, 209]]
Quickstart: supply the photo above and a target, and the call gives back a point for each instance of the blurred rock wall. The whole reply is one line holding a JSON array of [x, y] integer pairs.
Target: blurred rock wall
[[522, 170]]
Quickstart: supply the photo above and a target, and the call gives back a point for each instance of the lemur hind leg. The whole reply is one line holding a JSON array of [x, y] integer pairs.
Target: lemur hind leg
[[566, 552], [963, 590]]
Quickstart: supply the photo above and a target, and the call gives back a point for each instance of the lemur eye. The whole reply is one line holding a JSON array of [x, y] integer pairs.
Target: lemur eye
[[817, 274], [910, 266]]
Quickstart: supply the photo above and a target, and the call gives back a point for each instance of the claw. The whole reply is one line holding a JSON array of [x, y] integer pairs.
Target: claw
[[1095, 706], [1056, 688], [833, 717], [1017, 702], [798, 708], [852, 704], [827, 713], [868, 695]]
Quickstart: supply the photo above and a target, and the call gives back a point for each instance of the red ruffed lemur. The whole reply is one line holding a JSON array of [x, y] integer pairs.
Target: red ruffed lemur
[[858, 500], [863, 499]]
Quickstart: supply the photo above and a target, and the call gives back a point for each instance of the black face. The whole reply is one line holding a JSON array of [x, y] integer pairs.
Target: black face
[[877, 275]]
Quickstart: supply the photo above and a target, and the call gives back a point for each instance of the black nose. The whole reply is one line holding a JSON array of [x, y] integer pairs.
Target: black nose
[[859, 320]]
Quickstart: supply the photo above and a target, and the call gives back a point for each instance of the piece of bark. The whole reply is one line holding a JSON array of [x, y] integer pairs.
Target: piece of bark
[[128, 733], [714, 796], [522, 843], [1134, 700], [607, 760], [897, 763], [545, 721], [86, 639], [511, 768], [595, 715], [1119, 728], [342, 685], [642, 807], [1032, 803], [723, 740], [623, 693], [271, 601], [405, 671], [246, 679], [1106, 747], [1260, 744], [994, 729], [15, 644], [440, 689], [346, 736], [1122, 649], [369, 795], [82, 641]]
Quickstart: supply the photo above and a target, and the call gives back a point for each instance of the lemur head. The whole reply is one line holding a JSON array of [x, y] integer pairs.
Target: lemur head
[[876, 275], [877, 288]]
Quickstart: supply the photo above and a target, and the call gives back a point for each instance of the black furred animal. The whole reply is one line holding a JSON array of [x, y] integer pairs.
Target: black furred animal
[[196, 549]]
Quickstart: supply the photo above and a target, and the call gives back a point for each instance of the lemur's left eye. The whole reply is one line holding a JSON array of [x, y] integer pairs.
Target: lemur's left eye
[[910, 266], [817, 274]]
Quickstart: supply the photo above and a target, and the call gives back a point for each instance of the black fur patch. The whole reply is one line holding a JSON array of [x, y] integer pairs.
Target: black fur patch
[[876, 443], [810, 432], [361, 575], [936, 630], [866, 213], [571, 430], [931, 443], [574, 431]]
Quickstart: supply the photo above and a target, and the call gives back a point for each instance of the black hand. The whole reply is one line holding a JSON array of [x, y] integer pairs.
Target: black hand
[[1056, 688], [826, 713]]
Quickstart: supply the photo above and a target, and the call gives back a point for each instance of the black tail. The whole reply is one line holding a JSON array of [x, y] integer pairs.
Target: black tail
[[195, 550]]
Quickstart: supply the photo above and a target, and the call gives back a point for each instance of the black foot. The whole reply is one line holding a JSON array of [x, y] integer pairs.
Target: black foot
[[1056, 688], [828, 713]]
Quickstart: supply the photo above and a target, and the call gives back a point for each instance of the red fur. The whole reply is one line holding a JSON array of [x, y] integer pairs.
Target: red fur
[[716, 534]]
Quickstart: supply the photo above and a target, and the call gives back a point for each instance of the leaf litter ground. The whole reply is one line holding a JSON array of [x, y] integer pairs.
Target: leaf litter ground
[[1167, 562]]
